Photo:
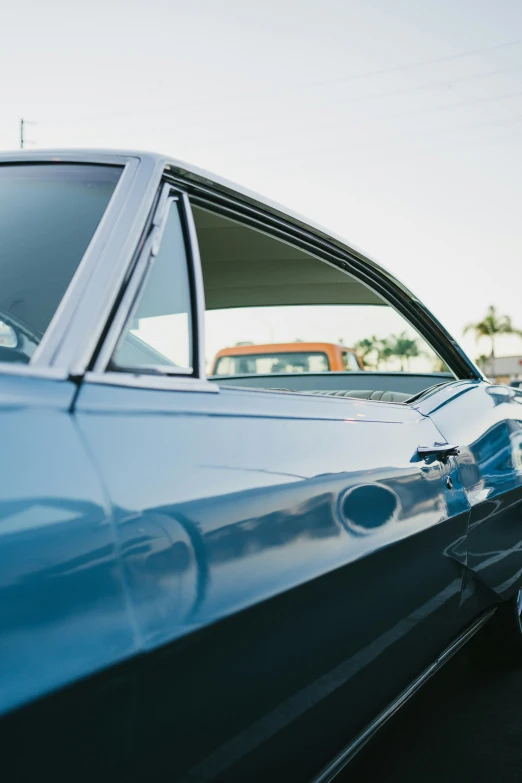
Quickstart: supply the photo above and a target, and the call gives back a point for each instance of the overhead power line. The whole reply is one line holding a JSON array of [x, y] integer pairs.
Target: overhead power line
[[418, 64], [470, 102], [258, 96]]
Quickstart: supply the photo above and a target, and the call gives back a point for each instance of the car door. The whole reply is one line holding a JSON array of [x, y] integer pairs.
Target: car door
[[292, 562]]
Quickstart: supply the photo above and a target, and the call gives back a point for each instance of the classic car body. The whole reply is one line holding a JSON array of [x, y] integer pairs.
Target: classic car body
[[206, 581]]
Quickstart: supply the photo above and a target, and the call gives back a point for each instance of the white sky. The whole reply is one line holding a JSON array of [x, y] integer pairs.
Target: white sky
[[395, 124]]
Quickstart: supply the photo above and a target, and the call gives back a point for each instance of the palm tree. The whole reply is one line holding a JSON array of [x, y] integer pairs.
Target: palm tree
[[365, 348], [376, 351], [404, 347], [384, 350], [491, 326]]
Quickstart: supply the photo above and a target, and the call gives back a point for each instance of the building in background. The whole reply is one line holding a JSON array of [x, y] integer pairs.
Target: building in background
[[502, 369]]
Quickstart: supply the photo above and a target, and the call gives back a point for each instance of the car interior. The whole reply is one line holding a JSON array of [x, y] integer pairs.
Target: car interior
[[256, 283]]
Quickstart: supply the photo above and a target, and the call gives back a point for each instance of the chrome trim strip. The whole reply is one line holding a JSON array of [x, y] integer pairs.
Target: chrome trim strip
[[152, 382], [120, 317], [340, 762], [32, 371], [198, 294], [136, 283], [107, 270], [108, 158], [160, 219], [162, 205]]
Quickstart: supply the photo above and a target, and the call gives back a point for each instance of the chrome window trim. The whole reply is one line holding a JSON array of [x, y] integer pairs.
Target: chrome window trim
[[81, 321], [102, 157], [167, 197], [137, 280], [198, 289], [152, 382], [32, 371]]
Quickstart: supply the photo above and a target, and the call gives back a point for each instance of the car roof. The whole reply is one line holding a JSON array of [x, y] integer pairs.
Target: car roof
[[198, 176]]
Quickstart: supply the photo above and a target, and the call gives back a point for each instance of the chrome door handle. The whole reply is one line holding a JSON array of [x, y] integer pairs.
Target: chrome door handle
[[441, 451]]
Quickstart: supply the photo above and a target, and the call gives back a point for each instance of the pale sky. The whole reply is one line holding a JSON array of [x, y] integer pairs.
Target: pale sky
[[397, 124]]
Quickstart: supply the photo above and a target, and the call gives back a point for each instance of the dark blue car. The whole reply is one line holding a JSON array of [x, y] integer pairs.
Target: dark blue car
[[238, 577]]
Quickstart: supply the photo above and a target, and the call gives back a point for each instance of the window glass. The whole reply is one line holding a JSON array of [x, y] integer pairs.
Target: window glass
[[273, 307], [380, 337], [48, 215], [158, 332]]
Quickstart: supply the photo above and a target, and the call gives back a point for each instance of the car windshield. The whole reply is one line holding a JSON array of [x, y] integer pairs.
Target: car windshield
[[48, 216], [269, 363]]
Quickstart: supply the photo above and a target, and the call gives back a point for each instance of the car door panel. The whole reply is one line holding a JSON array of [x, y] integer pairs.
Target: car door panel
[[286, 557], [486, 422]]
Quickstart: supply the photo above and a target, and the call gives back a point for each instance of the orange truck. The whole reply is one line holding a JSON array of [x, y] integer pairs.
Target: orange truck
[[285, 358]]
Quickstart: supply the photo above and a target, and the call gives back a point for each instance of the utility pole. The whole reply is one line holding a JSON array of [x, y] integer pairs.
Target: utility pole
[[23, 140]]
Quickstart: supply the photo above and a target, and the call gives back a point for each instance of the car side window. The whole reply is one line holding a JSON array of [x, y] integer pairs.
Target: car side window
[[158, 331], [279, 316]]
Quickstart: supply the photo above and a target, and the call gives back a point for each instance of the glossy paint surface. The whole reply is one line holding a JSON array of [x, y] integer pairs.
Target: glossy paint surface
[[283, 553], [62, 609], [274, 568], [230, 586], [486, 422]]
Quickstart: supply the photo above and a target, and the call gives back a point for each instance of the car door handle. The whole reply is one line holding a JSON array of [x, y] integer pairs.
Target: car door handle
[[440, 451]]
